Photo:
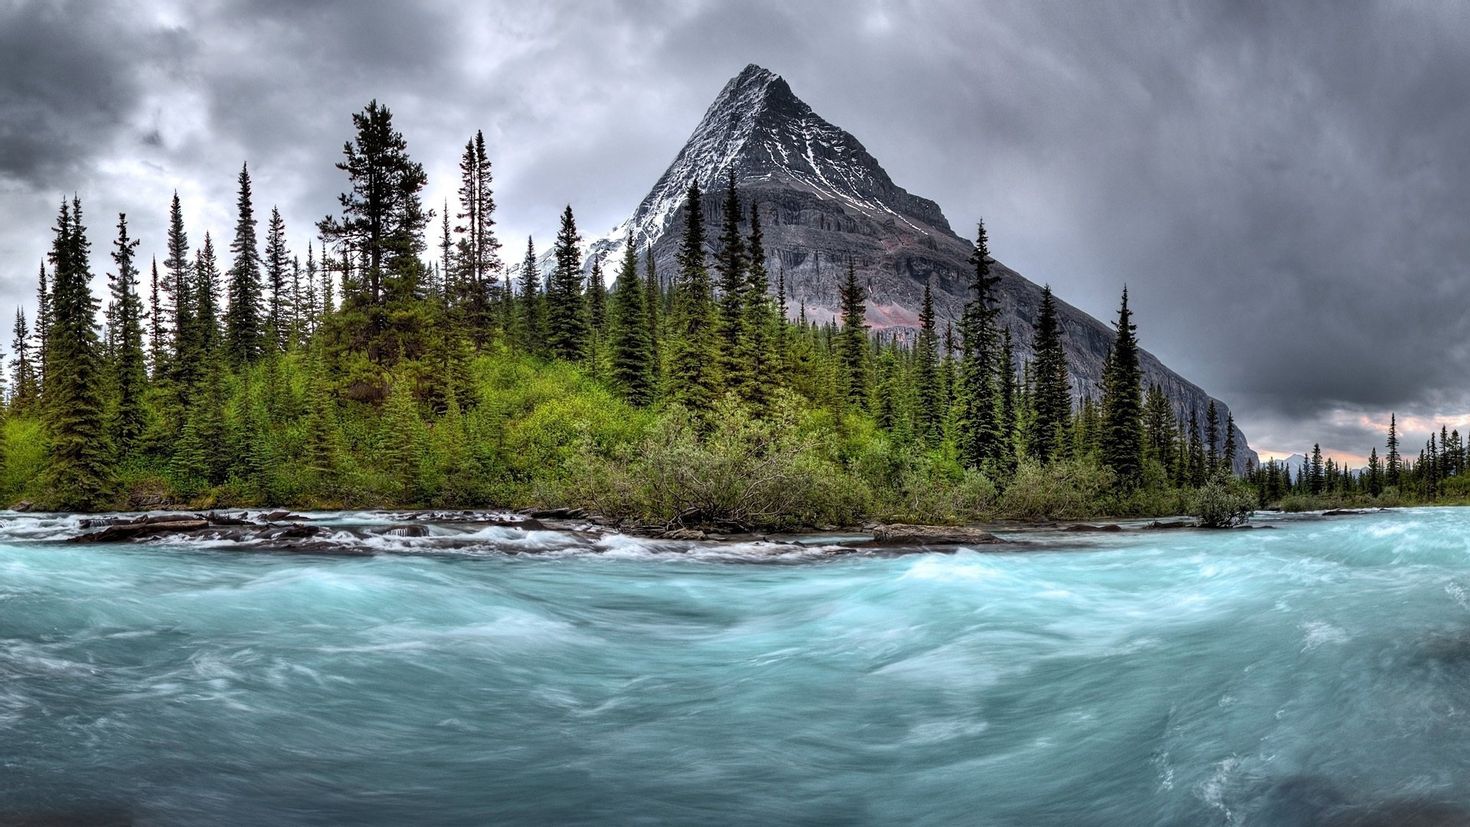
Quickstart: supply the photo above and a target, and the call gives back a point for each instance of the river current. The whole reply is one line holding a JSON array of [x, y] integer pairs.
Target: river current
[[1317, 672]]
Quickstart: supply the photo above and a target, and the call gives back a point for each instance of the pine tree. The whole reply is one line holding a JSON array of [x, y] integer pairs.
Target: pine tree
[[1227, 456], [926, 374], [653, 299], [888, 405], [694, 347], [399, 439], [1212, 439], [1052, 396], [632, 350], [530, 321], [322, 450], [481, 250], [382, 221], [596, 298], [242, 319], [129, 366], [311, 308], [78, 473], [1196, 451], [1158, 430], [852, 342], [205, 333], [157, 356], [1394, 466], [445, 284], [979, 431], [177, 315], [1316, 477], [1122, 402], [760, 371], [566, 320], [730, 263], [596, 302], [281, 311], [1006, 380], [26, 390], [43, 326], [249, 441], [1375, 473]]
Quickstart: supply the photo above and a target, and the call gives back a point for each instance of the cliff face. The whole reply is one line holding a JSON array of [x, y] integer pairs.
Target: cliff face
[[824, 201]]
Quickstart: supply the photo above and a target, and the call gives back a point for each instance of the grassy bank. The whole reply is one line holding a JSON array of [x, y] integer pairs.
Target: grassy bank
[[543, 434]]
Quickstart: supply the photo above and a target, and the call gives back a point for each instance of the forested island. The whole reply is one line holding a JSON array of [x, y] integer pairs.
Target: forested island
[[383, 369]]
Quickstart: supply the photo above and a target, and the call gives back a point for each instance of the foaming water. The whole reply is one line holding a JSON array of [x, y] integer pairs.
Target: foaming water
[[1314, 673]]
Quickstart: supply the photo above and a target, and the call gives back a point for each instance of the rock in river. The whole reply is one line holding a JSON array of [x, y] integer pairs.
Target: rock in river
[[932, 535]]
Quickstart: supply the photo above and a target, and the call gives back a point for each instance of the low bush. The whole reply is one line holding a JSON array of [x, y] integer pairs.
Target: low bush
[[1061, 490], [1222, 502]]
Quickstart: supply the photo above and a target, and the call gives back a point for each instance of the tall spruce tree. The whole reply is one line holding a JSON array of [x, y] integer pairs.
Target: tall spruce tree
[[1212, 439], [281, 321], [157, 356], [730, 263], [653, 302], [177, 287], [242, 318], [1122, 448], [79, 474], [1006, 391], [530, 320], [206, 330], [1227, 454], [1394, 465], [596, 302], [566, 316], [759, 368], [129, 365], [1196, 462], [694, 348], [979, 432], [930, 396], [1052, 394], [480, 250], [852, 341], [596, 298], [632, 350], [43, 324], [25, 388]]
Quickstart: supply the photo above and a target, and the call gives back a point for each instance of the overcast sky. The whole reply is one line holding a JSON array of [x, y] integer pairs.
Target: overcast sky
[[1283, 186]]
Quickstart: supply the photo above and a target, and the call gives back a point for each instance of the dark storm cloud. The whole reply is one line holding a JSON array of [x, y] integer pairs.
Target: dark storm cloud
[[66, 82], [1283, 186]]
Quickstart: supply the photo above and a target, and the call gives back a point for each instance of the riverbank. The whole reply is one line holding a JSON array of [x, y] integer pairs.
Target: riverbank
[[371, 532]]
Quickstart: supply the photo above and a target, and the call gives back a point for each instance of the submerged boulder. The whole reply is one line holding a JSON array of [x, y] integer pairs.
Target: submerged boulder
[[932, 535], [142, 527]]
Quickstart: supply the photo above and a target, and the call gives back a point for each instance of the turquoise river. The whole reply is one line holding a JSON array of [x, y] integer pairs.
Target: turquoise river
[[1316, 672]]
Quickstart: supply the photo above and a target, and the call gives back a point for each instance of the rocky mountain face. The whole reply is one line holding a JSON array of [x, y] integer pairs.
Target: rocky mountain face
[[824, 200]]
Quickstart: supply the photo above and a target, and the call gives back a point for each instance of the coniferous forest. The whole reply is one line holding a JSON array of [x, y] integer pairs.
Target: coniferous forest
[[398, 361]]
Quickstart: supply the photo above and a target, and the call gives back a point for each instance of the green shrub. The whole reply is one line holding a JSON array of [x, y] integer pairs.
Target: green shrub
[[1223, 502], [1062, 490], [729, 468]]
